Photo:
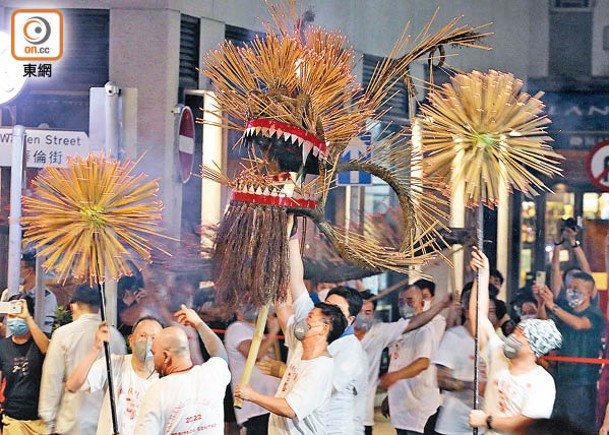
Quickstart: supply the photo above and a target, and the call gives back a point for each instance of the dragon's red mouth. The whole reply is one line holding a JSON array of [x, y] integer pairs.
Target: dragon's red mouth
[[285, 162], [309, 143]]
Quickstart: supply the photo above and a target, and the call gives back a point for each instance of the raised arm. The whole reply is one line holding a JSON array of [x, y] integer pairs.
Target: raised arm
[[78, 378], [426, 316], [556, 278], [213, 344], [297, 285], [574, 322], [580, 255], [480, 262], [39, 337]]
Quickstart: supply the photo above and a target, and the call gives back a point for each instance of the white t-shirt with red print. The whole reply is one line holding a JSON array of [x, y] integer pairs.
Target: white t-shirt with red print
[[531, 394], [189, 402], [129, 390], [306, 384]]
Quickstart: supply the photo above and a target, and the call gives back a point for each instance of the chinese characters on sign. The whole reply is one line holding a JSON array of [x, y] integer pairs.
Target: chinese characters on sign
[[45, 147]]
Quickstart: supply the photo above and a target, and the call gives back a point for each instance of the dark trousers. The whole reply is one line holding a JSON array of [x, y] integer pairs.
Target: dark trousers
[[407, 432], [258, 425], [368, 430], [577, 403]]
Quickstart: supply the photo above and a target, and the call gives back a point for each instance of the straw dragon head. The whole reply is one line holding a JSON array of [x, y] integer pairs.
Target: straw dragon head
[[293, 95]]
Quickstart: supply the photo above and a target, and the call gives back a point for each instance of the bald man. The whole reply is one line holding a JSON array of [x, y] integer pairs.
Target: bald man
[[187, 399]]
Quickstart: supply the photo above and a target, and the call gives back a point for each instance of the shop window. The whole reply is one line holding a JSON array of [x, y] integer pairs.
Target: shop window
[[596, 206]]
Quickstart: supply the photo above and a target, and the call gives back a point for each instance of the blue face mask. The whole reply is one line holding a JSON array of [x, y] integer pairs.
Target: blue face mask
[[17, 327], [143, 350]]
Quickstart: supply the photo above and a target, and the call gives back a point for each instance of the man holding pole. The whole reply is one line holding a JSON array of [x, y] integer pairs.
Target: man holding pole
[[299, 406], [65, 412], [518, 390]]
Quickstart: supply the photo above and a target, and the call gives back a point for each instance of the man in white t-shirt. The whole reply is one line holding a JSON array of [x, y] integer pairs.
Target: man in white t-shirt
[[300, 404], [187, 399], [454, 361], [413, 394], [132, 375], [238, 339], [376, 336], [518, 390]]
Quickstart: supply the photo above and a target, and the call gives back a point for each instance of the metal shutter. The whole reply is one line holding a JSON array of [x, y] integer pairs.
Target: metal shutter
[[189, 52]]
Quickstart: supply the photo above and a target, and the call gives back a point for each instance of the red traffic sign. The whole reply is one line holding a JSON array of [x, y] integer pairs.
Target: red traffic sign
[[597, 166], [185, 142]]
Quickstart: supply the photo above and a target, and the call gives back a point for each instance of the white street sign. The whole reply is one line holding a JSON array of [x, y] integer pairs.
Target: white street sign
[[45, 147]]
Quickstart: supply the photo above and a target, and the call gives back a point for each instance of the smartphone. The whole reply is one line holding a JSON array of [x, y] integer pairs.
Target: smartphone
[[540, 278], [13, 307]]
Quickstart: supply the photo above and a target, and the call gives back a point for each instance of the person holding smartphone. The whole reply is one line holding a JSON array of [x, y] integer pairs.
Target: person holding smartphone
[[21, 358]]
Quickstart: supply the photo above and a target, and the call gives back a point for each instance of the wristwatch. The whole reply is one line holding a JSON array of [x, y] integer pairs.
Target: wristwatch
[[554, 308], [489, 422]]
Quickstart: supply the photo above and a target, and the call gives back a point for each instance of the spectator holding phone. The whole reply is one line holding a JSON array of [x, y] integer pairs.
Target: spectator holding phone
[[21, 358]]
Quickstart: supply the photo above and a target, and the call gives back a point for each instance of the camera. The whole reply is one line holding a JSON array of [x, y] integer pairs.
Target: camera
[[112, 89], [570, 223]]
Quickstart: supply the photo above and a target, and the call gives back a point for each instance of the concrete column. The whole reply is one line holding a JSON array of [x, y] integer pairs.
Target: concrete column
[[457, 220], [144, 54], [214, 146], [503, 214]]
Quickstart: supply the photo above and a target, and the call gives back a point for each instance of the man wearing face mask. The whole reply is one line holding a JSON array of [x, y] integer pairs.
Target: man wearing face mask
[[21, 357], [27, 287], [132, 374], [188, 399], [376, 336], [238, 339], [518, 390], [413, 395], [300, 405], [581, 324]]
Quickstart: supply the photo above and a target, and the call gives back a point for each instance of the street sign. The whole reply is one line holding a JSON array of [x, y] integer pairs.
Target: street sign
[[597, 166], [185, 138], [44, 147], [358, 149]]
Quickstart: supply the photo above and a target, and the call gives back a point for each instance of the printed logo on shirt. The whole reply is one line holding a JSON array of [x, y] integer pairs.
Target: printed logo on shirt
[[290, 378], [21, 366]]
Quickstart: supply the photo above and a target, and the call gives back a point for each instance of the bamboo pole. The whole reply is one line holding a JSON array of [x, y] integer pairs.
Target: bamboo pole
[[252, 356]]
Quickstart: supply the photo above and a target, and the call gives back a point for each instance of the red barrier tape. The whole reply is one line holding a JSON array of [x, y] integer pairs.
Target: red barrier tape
[[575, 359]]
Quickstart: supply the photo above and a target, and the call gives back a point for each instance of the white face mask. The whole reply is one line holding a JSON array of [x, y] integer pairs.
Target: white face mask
[[426, 305], [406, 311]]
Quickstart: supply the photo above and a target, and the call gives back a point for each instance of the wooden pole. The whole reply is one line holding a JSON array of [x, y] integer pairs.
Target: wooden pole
[[252, 356], [480, 233]]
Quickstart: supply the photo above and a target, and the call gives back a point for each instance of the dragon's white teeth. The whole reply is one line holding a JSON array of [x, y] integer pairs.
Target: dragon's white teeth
[[259, 191], [251, 189], [300, 140], [271, 131], [293, 176], [315, 151], [306, 150], [288, 190]]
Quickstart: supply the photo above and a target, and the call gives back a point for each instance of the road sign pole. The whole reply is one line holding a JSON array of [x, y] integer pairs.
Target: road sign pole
[[14, 232]]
